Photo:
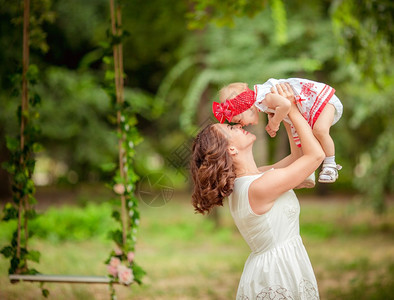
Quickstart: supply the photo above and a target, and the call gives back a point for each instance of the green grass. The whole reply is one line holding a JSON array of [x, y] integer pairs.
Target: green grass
[[187, 257]]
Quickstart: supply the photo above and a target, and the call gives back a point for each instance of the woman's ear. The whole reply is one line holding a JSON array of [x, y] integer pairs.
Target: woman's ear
[[232, 150]]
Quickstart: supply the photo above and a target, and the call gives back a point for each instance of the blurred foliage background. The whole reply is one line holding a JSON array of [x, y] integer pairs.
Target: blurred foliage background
[[177, 56]]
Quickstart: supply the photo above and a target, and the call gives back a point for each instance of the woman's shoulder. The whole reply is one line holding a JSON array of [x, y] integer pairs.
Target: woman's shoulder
[[243, 182], [246, 179], [239, 198], [256, 182], [250, 177]]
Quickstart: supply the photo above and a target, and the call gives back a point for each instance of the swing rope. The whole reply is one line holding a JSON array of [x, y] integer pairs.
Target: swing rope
[[23, 203], [116, 22]]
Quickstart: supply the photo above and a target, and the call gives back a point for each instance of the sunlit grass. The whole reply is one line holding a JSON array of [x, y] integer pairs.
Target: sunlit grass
[[187, 257]]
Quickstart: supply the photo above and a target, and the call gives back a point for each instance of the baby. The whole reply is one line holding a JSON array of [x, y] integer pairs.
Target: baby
[[239, 104]]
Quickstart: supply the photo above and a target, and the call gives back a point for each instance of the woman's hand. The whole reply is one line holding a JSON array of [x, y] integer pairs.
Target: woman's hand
[[285, 90]]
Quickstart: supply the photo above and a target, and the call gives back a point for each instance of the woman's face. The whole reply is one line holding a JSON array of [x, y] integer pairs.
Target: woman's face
[[236, 136]]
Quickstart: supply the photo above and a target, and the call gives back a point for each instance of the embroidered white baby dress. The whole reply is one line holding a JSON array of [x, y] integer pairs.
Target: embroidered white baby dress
[[279, 266], [311, 98]]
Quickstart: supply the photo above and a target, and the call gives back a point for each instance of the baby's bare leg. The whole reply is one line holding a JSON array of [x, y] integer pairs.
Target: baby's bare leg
[[321, 129]]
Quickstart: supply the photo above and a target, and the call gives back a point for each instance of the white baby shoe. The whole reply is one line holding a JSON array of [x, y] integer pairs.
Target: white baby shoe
[[329, 173]]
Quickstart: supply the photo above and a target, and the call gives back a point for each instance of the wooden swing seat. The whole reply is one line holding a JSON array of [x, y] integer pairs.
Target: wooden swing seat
[[14, 278]]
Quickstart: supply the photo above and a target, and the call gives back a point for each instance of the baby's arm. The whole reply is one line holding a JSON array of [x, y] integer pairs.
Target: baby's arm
[[281, 106]]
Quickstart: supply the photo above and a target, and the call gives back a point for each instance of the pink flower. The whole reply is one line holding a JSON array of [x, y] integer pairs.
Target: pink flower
[[118, 251], [112, 270], [114, 262], [119, 188], [125, 275], [130, 256]]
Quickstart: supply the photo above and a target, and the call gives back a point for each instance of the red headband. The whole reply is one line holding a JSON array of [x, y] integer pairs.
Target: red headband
[[234, 106]]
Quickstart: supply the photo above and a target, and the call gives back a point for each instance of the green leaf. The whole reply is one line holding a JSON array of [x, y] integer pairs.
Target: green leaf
[[14, 264], [35, 99], [116, 235], [12, 143], [8, 166], [10, 212], [116, 215], [138, 273], [37, 147], [107, 60], [109, 75], [16, 79], [7, 251], [45, 293], [32, 201], [114, 201], [25, 113], [30, 184], [20, 177], [33, 255], [30, 214], [32, 271], [108, 167], [32, 73]]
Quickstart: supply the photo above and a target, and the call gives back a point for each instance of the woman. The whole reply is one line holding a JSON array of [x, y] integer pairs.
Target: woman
[[262, 203]]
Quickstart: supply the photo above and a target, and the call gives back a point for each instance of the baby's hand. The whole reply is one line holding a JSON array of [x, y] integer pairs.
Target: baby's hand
[[272, 133], [271, 128]]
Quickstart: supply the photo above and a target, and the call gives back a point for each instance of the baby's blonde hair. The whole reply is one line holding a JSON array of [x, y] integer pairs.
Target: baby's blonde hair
[[228, 91]]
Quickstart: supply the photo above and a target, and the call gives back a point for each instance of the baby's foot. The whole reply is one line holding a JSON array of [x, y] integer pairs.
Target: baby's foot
[[329, 173]]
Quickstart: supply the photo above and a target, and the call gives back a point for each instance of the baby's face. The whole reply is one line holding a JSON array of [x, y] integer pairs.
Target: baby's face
[[248, 117]]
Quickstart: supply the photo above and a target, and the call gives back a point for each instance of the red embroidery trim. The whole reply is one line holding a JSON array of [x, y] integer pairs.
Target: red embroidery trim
[[318, 112], [319, 104]]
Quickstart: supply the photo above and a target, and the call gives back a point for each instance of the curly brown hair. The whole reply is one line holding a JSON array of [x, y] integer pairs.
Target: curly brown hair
[[211, 169]]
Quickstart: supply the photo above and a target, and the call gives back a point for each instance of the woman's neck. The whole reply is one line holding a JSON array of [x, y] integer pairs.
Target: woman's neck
[[244, 164]]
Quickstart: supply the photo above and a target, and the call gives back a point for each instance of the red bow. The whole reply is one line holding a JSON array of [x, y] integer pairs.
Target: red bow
[[223, 111]]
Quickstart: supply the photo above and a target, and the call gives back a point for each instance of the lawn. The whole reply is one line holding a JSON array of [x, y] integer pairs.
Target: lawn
[[187, 257]]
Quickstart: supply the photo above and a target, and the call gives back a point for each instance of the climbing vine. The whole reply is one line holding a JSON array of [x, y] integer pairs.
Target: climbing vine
[[22, 148], [121, 264]]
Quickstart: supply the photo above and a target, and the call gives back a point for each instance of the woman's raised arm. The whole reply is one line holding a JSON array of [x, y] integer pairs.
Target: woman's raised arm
[[267, 188], [295, 152]]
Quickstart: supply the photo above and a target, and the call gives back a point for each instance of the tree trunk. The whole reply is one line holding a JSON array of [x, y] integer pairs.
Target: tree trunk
[[260, 147]]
